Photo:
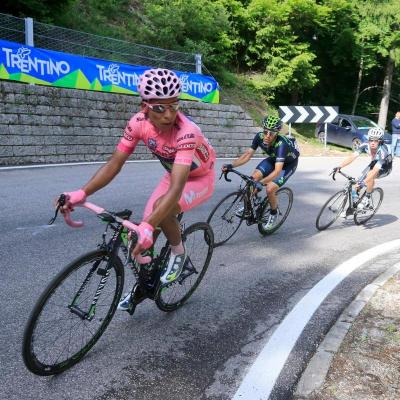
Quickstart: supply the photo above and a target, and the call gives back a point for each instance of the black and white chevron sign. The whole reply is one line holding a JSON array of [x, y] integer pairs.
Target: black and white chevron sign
[[310, 114]]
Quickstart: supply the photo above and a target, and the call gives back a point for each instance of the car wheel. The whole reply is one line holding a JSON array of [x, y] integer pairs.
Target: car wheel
[[356, 144], [321, 137]]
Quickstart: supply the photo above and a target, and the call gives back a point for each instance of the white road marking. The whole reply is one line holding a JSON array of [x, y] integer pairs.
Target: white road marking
[[36, 229], [260, 379]]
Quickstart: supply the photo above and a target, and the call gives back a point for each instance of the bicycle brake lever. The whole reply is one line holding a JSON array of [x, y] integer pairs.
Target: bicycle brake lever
[[60, 202], [55, 216], [226, 176]]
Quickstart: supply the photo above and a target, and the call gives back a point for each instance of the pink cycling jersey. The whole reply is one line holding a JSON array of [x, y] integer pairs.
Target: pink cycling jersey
[[184, 144]]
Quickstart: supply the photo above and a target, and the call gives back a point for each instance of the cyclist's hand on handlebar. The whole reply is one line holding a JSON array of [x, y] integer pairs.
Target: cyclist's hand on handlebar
[[72, 199], [145, 237], [227, 167], [335, 169]]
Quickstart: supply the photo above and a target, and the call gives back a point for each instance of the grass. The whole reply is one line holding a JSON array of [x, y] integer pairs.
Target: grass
[[237, 89]]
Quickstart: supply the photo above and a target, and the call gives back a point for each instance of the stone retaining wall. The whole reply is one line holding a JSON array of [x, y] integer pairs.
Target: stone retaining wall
[[40, 124]]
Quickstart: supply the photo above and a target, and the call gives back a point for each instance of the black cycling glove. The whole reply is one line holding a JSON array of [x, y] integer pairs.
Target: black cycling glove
[[229, 167]]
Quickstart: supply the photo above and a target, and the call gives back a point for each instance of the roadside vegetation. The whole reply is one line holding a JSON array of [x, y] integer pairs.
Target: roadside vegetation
[[264, 53]]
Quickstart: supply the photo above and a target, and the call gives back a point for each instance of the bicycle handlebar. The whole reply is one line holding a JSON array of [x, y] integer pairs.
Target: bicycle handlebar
[[246, 178], [99, 210], [350, 178]]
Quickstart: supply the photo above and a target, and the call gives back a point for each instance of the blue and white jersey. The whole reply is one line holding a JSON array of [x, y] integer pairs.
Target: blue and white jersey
[[382, 157]]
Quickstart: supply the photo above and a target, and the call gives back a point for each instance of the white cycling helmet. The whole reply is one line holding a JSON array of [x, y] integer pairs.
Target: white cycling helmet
[[159, 83], [375, 134]]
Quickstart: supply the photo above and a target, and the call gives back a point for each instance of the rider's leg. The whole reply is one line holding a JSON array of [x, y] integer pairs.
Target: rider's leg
[[195, 192], [271, 189], [257, 175]]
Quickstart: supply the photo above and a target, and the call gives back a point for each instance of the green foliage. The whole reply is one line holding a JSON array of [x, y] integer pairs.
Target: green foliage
[[44, 10], [276, 51]]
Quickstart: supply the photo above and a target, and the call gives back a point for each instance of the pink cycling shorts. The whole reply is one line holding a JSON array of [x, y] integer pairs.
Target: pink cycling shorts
[[197, 190]]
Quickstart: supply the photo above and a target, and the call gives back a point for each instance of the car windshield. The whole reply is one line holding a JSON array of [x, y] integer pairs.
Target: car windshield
[[364, 123]]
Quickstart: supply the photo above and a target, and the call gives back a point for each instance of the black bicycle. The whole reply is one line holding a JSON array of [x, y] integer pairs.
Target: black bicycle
[[336, 204], [79, 303], [246, 204]]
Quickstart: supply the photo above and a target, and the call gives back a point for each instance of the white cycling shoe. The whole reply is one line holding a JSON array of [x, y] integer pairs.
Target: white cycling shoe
[[174, 268]]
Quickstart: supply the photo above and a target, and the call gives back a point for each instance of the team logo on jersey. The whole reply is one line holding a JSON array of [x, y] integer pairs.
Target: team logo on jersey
[[168, 149], [187, 136], [203, 153], [127, 133], [189, 197], [152, 143], [186, 146]]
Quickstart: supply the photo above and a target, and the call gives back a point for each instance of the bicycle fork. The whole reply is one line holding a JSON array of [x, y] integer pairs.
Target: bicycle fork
[[74, 308]]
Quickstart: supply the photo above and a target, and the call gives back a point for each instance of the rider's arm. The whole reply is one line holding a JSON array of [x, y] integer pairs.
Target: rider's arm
[[349, 160], [244, 158], [274, 174], [106, 173], [179, 176]]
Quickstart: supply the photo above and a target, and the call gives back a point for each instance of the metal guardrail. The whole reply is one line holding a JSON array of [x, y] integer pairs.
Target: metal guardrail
[[51, 37]]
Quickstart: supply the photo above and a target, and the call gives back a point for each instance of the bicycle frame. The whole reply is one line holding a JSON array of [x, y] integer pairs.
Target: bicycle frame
[[248, 191], [348, 187], [111, 247]]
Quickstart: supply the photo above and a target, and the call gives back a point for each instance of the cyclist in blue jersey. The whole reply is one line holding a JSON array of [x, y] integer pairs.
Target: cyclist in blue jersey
[[379, 166], [279, 165]]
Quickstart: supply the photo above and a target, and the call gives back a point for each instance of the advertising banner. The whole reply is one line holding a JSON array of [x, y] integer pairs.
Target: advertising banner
[[22, 63]]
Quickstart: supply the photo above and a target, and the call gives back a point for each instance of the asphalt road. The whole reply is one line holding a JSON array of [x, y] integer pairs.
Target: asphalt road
[[204, 349]]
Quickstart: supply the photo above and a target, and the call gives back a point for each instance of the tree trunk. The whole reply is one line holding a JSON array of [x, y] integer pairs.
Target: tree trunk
[[357, 95], [387, 85]]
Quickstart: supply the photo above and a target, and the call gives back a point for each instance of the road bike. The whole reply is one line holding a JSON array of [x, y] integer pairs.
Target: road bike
[[78, 304], [336, 204], [246, 205]]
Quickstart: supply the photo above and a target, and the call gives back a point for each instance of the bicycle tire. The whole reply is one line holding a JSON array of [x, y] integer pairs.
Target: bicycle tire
[[223, 219], [284, 191], [37, 349], [362, 216], [198, 239], [335, 204]]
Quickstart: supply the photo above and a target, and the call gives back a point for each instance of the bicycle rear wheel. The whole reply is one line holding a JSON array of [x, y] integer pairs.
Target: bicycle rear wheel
[[223, 219], [64, 325], [365, 214], [198, 240], [331, 210], [285, 201]]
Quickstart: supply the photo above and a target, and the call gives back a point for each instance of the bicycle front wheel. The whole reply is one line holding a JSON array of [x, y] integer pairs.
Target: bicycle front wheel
[[285, 201], [198, 240], [331, 210], [225, 219], [64, 324], [365, 214]]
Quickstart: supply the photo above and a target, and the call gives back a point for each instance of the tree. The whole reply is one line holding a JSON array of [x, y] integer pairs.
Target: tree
[[379, 39]]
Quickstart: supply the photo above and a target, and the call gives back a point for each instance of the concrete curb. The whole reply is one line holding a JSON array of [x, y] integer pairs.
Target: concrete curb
[[315, 374]]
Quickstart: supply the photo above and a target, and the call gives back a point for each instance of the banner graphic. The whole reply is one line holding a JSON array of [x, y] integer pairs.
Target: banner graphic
[[22, 63]]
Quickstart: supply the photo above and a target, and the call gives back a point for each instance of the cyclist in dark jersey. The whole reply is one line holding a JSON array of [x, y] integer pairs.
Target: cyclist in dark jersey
[[279, 165], [379, 166]]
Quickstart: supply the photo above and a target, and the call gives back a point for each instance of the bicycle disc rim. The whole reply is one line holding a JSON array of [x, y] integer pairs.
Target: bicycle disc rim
[[335, 205], [361, 217], [223, 219], [282, 211], [55, 338], [198, 240]]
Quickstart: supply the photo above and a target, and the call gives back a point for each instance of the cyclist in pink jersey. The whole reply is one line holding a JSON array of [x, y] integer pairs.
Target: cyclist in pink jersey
[[184, 152]]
